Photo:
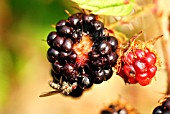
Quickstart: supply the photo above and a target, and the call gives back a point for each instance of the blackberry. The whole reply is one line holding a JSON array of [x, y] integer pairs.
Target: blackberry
[[164, 108], [139, 64], [166, 104], [119, 107], [158, 110], [81, 53]]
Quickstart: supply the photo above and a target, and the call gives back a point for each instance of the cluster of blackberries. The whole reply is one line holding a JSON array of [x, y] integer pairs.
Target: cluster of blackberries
[[81, 53], [164, 108]]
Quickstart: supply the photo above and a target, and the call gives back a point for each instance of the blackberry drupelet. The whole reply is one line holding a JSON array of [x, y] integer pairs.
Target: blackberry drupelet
[[81, 53]]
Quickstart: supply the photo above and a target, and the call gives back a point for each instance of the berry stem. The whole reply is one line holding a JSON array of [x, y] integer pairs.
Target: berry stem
[[166, 47]]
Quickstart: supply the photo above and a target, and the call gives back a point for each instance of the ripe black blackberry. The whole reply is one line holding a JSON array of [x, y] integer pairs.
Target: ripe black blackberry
[[164, 108], [81, 52]]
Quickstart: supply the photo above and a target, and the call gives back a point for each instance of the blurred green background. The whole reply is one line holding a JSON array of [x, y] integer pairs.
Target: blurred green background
[[24, 69], [24, 25]]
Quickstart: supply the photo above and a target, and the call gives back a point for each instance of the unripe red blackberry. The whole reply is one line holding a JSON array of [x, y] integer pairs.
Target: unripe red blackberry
[[138, 63], [81, 53]]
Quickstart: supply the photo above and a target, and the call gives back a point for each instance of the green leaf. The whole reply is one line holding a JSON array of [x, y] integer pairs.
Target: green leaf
[[107, 7]]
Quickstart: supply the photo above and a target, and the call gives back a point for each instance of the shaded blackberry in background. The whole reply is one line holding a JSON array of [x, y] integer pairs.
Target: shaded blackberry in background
[[81, 53], [119, 107], [158, 110], [166, 104], [164, 108]]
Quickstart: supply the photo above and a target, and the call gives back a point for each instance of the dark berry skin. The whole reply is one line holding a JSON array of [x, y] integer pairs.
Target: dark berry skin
[[52, 55], [73, 20], [99, 62], [85, 82], [60, 23], [67, 45], [166, 104], [58, 42], [89, 18], [56, 77], [100, 35], [65, 30], [99, 78], [104, 48], [93, 55], [113, 41], [72, 57], [106, 112], [57, 67], [68, 69], [112, 58], [108, 73], [166, 112], [64, 55], [51, 37], [76, 92], [97, 25], [77, 36], [158, 110]]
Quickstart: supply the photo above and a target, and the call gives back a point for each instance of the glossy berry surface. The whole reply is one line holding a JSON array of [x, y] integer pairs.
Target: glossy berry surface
[[82, 52], [166, 104], [164, 108], [158, 110], [138, 66]]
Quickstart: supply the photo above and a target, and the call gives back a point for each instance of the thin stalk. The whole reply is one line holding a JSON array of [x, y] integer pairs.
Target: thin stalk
[[166, 47]]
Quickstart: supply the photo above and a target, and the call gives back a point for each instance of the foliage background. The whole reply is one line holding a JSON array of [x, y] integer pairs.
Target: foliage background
[[24, 69]]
